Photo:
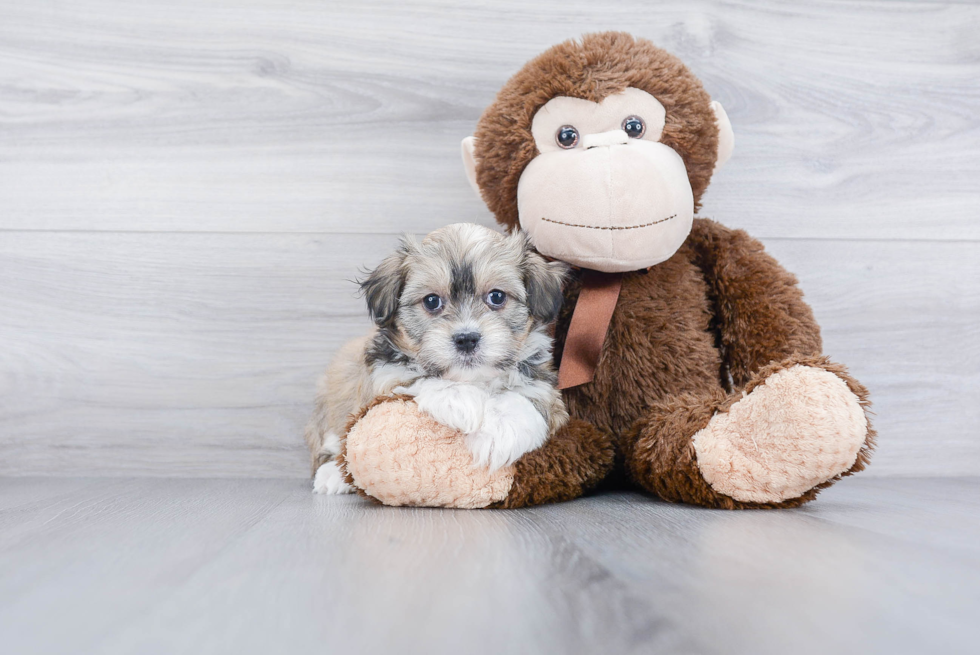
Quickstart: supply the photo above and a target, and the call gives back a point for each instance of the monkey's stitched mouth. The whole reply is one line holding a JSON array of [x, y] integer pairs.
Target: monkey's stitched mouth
[[612, 227]]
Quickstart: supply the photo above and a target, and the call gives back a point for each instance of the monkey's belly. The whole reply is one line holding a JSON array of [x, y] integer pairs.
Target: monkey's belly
[[659, 344]]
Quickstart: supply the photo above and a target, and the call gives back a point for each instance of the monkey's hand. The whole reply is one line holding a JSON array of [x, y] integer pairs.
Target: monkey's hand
[[511, 427], [454, 404]]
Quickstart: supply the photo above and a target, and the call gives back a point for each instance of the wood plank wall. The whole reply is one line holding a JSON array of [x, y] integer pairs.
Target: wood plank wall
[[186, 189]]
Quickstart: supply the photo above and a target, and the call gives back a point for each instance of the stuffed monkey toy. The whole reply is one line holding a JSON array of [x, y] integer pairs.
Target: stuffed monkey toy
[[690, 365]]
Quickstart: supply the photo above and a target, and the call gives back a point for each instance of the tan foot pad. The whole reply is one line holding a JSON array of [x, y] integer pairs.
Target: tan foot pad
[[800, 428], [401, 456]]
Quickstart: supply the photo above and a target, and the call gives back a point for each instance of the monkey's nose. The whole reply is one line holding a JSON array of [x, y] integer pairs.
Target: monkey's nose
[[466, 341], [610, 138]]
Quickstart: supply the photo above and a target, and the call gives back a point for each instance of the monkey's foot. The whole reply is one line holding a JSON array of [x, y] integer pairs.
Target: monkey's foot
[[799, 428], [399, 455]]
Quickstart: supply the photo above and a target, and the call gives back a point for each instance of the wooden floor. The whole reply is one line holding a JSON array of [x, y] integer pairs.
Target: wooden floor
[[263, 566]]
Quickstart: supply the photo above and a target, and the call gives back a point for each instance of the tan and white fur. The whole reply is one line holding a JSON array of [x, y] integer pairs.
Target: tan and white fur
[[461, 324]]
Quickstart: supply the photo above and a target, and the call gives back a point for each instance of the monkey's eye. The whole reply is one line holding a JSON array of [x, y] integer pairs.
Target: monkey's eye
[[634, 127], [566, 136], [432, 302], [496, 298]]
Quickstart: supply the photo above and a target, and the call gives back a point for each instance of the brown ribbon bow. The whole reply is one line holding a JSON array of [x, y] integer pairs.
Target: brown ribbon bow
[[587, 331]]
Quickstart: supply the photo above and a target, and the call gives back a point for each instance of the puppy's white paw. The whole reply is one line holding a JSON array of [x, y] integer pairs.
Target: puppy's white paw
[[331, 442], [511, 427], [330, 480], [454, 404]]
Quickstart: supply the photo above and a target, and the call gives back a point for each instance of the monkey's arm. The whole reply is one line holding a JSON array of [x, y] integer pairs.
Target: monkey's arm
[[572, 462], [760, 313]]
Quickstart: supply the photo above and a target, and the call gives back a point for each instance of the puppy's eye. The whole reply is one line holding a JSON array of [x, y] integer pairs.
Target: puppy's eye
[[566, 136], [634, 127], [496, 298], [432, 302]]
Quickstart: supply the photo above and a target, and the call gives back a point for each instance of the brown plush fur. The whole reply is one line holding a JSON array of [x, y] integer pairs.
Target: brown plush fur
[[716, 313], [719, 306], [598, 66], [693, 333], [571, 463], [758, 307], [686, 339], [660, 343]]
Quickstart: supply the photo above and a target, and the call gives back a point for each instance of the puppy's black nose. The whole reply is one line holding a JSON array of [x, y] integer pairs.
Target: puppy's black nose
[[466, 341]]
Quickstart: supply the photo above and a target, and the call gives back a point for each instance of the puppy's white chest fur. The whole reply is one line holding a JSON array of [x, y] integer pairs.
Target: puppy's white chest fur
[[498, 426]]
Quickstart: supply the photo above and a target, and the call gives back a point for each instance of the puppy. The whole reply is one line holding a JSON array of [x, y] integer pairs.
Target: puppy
[[461, 324]]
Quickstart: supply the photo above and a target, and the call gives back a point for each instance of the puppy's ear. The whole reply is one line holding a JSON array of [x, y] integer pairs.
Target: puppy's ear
[[544, 282], [383, 286]]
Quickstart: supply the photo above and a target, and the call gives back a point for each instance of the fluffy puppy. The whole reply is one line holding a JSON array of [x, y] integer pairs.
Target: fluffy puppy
[[461, 324]]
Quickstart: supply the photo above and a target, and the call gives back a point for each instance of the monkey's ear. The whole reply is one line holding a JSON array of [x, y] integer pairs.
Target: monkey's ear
[[726, 137], [468, 148], [383, 287]]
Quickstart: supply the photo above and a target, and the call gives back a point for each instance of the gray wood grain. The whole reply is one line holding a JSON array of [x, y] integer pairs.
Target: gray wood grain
[[856, 120], [186, 187], [208, 566]]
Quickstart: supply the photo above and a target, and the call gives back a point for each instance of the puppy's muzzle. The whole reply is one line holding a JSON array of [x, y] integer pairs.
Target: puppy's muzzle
[[466, 342]]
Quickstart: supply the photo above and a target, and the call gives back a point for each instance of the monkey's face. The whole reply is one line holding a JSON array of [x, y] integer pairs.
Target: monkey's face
[[601, 149], [604, 192]]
